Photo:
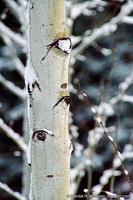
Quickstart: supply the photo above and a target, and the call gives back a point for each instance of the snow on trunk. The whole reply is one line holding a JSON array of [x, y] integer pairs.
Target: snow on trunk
[[46, 78]]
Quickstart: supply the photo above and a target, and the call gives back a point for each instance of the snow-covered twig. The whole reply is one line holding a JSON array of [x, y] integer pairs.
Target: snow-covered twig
[[79, 8], [98, 119], [123, 87], [16, 195], [127, 82], [104, 30], [12, 88], [120, 97], [14, 136], [104, 51], [24, 25], [18, 64], [75, 40], [107, 174], [15, 9], [128, 98], [86, 161], [14, 36], [128, 20], [23, 3]]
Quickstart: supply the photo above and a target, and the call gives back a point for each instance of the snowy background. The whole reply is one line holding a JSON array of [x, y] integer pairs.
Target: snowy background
[[102, 61]]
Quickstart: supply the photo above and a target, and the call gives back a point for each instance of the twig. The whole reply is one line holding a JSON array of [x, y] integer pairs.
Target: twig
[[123, 87], [16, 195], [14, 136], [21, 94], [15, 9], [128, 20], [104, 30], [86, 157], [14, 36], [109, 195], [107, 136], [18, 64], [78, 8]]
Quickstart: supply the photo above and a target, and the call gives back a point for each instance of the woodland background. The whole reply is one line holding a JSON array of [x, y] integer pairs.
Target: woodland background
[[104, 68]]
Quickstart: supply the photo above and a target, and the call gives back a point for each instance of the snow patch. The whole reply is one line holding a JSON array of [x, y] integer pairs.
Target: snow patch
[[105, 109], [126, 172], [48, 131], [116, 162], [85, 95], [111, 139], [98, 120], [112, 195], [120, 155], [17, 153], [65, 45], [97, 189], [29, 153], [85, 190], [30, 75], [93, 110]]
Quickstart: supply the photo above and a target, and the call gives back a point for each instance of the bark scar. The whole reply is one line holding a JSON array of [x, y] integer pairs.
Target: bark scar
[[64, 85], [64, 44], [30, 91], [39, 135], [49, 176], [42, 135], [67, 100]]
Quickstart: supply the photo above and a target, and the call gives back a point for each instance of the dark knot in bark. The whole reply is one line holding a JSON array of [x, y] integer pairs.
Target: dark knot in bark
[[39, 135]]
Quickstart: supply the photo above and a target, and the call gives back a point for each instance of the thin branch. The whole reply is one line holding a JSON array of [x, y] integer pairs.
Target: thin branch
[[107, 174], [127, 82], [107, 136], [13, 89], [14, 136], [15, 9], [18, 64], [16, 195], [23, 3], [109, 195], [128, 98], [14, 36], [102, 50], [94, 137], [128, 20], [104, 30], [78, 8], [123, 87], [24, 27]]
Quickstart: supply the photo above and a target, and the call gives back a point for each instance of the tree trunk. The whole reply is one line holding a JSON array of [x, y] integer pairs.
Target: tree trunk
[[46, 78], [26, 167]]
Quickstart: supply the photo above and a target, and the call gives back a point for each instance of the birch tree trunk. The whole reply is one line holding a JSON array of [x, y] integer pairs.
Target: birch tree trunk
[[46, 78]]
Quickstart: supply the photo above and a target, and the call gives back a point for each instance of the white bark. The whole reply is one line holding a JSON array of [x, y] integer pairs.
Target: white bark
[[48, 100]]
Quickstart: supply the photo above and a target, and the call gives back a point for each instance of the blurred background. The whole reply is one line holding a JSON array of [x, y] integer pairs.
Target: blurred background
[[102, 62]]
